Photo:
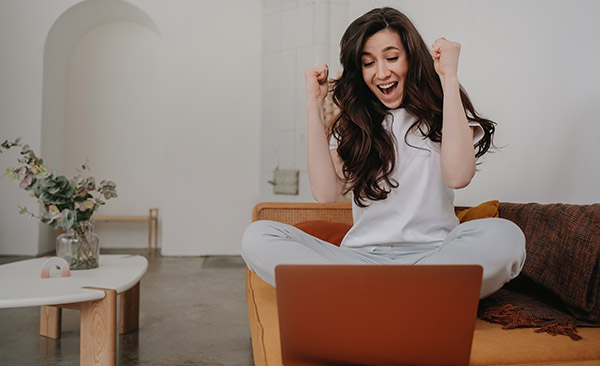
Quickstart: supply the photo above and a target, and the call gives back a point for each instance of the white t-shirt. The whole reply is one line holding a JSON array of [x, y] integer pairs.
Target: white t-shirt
[[421, 208]]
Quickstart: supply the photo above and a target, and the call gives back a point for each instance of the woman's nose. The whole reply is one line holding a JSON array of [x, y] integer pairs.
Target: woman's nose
[[382, 70]]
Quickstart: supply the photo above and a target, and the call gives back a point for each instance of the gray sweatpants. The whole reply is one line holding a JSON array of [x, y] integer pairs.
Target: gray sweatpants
[[498, 245]]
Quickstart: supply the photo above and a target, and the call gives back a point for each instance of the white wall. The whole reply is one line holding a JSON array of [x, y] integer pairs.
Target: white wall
[[212, 135], [115, 120], [532, 66], [296, 36], [181, 105], [22, 36]]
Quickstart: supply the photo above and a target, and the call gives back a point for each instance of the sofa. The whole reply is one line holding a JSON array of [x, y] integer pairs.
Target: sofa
[[493, 344]]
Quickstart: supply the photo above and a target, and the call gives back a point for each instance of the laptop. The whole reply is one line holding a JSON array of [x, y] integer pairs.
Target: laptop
[[377, 314]]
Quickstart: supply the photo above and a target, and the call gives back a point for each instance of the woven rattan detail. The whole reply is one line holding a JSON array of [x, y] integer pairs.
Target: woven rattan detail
[[293, 213]]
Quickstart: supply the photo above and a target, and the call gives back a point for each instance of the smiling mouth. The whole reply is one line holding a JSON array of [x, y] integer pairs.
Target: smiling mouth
[[388, 89]]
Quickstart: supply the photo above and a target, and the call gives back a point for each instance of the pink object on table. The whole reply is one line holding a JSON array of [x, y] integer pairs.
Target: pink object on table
[[55, 261]]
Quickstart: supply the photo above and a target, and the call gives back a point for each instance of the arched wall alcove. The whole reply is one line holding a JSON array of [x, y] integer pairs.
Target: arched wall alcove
[[102, 86]]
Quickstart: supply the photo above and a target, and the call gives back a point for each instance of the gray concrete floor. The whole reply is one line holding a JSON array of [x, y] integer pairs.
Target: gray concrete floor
[[193, 312]]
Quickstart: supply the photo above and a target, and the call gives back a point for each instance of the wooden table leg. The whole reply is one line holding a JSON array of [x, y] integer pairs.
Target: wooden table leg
[[98, 341], [130, 310], [156, 229], [149, 231], [50, 321]]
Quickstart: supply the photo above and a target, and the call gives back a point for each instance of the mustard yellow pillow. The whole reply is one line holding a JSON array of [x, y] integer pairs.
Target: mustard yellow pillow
[[482, 211]]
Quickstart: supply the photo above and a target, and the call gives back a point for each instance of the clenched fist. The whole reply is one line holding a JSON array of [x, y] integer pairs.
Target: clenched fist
[[445, 57], [317, 83]]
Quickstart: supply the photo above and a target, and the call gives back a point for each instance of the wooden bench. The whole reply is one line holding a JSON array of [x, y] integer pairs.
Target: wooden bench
[[151, 219]]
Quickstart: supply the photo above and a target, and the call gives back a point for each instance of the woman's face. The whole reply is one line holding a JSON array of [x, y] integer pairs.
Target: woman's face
[[384, 67]]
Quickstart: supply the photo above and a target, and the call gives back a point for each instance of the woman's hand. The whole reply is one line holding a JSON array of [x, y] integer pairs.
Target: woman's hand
[[317, 83], [445, 57]]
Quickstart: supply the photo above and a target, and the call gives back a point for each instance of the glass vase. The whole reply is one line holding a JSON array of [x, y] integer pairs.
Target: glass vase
[[79, 246]]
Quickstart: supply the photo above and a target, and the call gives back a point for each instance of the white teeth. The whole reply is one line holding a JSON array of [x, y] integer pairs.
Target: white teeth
[[387, 86]]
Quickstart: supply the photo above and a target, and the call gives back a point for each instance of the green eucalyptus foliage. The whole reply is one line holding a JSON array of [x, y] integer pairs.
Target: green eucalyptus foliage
[[67, 203]]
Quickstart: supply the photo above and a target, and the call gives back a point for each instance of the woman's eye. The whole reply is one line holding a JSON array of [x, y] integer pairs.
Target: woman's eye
[[367, 64], [393, 58]]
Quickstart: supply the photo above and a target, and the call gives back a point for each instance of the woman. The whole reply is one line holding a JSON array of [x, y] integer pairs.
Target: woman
[[405, 137]]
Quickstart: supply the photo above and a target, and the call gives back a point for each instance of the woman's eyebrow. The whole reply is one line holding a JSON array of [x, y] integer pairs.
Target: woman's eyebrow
[[384, 50]]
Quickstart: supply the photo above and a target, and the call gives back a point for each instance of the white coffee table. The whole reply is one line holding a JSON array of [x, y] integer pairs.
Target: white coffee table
[[93, 292]]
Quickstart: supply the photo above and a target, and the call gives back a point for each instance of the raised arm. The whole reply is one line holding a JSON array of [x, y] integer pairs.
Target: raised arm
[[457, 152], [324, 166]]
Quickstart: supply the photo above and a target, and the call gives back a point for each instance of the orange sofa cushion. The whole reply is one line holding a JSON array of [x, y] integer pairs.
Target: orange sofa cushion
[[331, 232]]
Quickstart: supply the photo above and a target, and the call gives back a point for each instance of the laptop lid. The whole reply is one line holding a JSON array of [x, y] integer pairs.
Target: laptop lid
[[377, 314]]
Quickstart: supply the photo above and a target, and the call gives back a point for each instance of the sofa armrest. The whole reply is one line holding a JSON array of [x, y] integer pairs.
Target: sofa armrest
[[294, 212]]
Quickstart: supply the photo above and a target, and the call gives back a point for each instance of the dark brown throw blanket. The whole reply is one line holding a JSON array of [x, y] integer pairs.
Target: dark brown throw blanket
[[559, 286], [523, 304]]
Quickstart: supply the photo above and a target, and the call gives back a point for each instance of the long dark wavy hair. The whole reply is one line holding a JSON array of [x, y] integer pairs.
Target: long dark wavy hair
[[366, 148]]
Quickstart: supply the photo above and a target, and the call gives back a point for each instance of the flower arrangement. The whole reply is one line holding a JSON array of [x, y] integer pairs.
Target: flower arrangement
[[68, 204]]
